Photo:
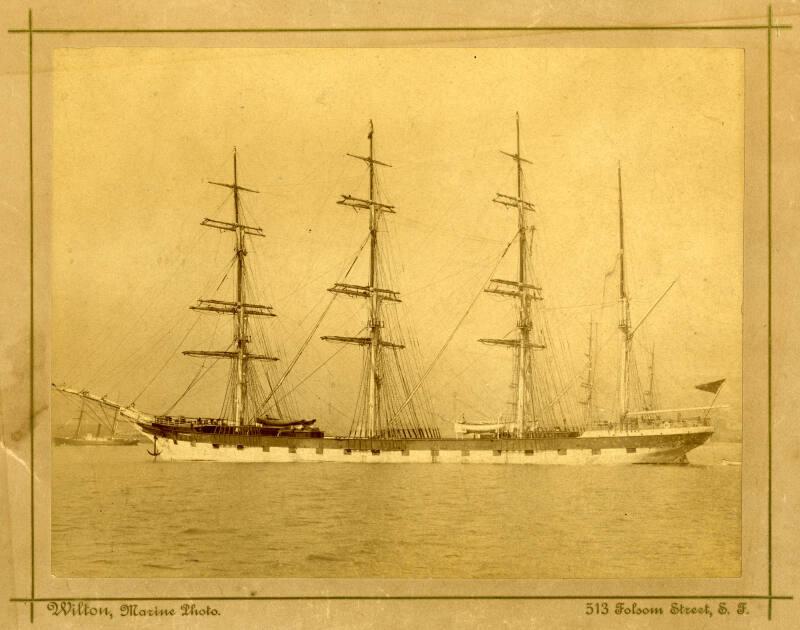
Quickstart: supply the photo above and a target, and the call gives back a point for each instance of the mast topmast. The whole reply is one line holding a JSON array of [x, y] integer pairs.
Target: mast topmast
[[524, 292], [372, 292], [239, 307]]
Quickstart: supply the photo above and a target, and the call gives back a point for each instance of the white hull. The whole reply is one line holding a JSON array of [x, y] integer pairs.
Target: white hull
[[181, 451]]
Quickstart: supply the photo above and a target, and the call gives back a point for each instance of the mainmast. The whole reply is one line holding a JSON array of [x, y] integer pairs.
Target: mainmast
[[239, 308], [372, 292], [524, 292], [624, 315]]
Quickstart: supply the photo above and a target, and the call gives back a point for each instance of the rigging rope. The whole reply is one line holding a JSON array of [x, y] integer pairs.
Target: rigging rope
[[452, 334], [305, 343], [194, 381], [310, 374], [171, 356]]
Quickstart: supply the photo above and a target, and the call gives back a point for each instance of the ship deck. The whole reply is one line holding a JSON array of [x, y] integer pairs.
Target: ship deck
[[688, 437]]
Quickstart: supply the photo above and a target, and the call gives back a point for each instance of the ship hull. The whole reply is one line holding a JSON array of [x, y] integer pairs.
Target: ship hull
[[641, 447]]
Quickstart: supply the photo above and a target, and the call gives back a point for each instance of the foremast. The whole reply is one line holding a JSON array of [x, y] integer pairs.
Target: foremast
[[239, 308], [524, 292], [374, 294]]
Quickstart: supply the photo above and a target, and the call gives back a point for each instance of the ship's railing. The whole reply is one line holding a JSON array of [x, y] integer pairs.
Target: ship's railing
[[178, 420], [656, 421]]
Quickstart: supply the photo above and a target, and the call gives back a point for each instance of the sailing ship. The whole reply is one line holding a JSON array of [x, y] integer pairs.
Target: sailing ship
[[95, 439], [389, 426]]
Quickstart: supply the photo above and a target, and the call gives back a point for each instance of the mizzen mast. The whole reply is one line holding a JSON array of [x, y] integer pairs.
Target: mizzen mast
[[374, 294], [588, 384], [239, 308], [524, 292], [624, 315], [650, 394]]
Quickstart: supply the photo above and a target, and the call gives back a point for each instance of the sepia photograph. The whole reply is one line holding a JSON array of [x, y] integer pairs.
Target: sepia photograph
[[364, 316], [304, 261]]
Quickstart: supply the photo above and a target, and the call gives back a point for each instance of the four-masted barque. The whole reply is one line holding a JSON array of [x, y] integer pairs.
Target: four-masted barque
[[537, 428]]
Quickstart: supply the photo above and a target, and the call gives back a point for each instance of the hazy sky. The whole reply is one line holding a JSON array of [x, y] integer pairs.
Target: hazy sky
[[139, 131]]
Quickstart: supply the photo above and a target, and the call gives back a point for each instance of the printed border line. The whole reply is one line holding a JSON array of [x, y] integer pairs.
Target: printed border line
[[769, 310], [402, 29], [768, 27], [30, 314], [395, 597]]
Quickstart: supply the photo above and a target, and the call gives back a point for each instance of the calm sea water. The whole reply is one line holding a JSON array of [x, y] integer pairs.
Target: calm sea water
[[117, 514]]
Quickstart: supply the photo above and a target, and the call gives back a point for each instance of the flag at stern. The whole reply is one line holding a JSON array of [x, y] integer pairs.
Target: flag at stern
[[712, 387]]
